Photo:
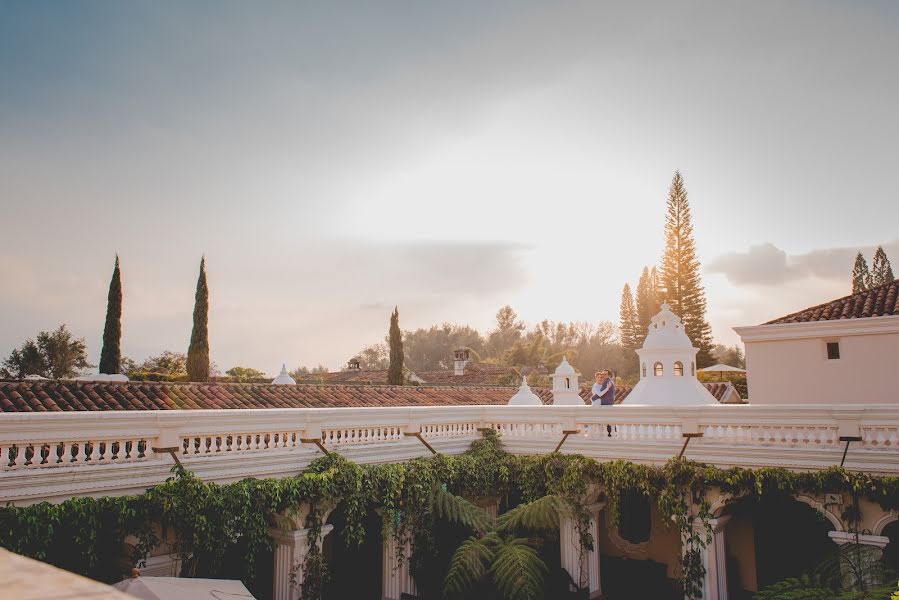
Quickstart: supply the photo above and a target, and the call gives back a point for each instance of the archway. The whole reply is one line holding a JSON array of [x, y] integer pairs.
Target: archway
[[891, 552], [771, 539], [355, 571]]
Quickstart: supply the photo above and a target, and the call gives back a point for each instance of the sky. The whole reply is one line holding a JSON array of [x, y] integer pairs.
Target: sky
[[334, 160]]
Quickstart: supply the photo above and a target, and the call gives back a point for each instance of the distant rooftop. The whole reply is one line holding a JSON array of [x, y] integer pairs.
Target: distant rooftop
[[880, 301]]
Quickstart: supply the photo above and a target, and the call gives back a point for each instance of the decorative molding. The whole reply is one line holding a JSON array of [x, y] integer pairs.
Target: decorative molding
[[819, 329]]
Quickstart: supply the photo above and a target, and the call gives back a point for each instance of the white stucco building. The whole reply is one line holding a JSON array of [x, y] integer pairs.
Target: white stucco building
[[668, 366], [844, 351]]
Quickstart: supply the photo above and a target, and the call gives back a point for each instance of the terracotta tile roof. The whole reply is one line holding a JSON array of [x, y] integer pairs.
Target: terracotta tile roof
[[475, 374], [40, 396], [876, 302]]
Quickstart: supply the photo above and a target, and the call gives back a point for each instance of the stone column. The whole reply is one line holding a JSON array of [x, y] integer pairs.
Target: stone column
[[396, 577], [714, 559], [291, 547], [860, 565], [583, 568]]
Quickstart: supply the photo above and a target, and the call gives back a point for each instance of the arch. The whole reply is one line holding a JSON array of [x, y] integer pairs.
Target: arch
[[658, 370], [819, 506], [880, 525], [567, 383], [678, 369]]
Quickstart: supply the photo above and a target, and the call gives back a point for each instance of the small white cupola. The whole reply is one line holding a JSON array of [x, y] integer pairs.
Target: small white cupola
[[668, 366], [565, 385], [284, 377], [461, 357], [353, 364], [524, 396]]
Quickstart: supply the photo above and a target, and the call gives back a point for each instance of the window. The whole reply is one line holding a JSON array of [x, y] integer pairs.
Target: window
[[658, 369], [678, 369], [644, 369], [635, 519], [833, 350], [567, 383]]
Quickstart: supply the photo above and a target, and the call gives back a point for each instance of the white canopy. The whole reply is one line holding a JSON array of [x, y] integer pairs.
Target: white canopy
[[719, 368], [184, 588]]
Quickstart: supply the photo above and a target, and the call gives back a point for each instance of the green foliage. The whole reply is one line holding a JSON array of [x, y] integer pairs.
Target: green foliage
[[395, 370], [209, 522], [243, 374], [111, 353], [881, 270], [647, 303], [628, 319], [55, 355], [518, 570], [198, 351], [680, 279], [861, 276]]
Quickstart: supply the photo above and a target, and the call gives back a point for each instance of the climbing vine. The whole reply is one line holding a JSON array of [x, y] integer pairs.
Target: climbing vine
[[208, 523]]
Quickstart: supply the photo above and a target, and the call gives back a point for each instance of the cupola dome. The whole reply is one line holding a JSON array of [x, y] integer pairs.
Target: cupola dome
[[283, 377], [565, 385], [524, 396]]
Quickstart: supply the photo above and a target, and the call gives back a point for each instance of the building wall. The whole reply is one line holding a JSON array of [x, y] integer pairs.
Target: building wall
[[797, 371], [663, 545]]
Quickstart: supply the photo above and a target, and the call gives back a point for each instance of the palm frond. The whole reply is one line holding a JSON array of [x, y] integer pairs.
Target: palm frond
[[542, 514], [796, 588], [459, 510], [469, 564], [518, 571]]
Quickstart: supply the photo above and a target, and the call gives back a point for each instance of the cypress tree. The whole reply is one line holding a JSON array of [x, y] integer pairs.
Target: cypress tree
[[628, 326], [111, 353], [198, 351], [656, 292], [681, 286], [861, 277], [395, 370], [881, 270], [647, 304]]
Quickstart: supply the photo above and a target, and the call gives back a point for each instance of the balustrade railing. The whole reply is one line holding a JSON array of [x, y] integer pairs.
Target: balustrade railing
[[34, 441]]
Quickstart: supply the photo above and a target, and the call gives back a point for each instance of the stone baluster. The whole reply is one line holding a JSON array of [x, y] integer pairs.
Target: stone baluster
[[583, 567]]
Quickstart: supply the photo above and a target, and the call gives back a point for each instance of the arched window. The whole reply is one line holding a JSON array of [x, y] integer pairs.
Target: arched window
[[693, 369], [635, 519], [567, 383], [678, 369], [658, 369], [644, 369]]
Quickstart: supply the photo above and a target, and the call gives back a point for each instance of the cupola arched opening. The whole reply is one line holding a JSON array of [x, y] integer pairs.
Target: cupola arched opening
[[658, 369], [678, 369]]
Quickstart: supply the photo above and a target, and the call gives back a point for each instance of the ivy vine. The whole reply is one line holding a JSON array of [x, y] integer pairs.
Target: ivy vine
[[206, 523]]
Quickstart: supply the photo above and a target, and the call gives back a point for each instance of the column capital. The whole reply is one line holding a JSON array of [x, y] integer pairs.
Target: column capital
[[846, 537], [716, 524]]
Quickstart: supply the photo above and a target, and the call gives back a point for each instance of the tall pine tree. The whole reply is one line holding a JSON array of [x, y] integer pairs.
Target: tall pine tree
[[628, 325], [111, 354], [656, 295], [198, 351], [681, 286], [861, 277], [395, 370], [644, 307], [881, 270]]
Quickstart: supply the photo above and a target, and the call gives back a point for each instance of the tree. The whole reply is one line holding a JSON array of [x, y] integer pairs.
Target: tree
[[244, 374], [198, 351], [55, 355], [171, 365], [881, 270], [647, 303], [395, 369], [861, 276], [508, 331], [111, 353], [375, 357], [679, 275], [628, 326], [432, 349], [729, 355]]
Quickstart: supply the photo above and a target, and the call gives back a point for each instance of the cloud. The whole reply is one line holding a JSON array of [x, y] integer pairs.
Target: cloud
[[767, 265]]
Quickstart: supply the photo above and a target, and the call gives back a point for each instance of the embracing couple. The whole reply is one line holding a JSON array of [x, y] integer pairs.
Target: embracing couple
[[603, 391]]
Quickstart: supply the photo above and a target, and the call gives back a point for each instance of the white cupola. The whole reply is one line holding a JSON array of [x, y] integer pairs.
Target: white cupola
[[284, 378], [461, 356], [668, 366], [565, 385], [524, 396]]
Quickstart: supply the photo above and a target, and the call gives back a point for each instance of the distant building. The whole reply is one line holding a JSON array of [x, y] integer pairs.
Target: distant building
[[841, 352]]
